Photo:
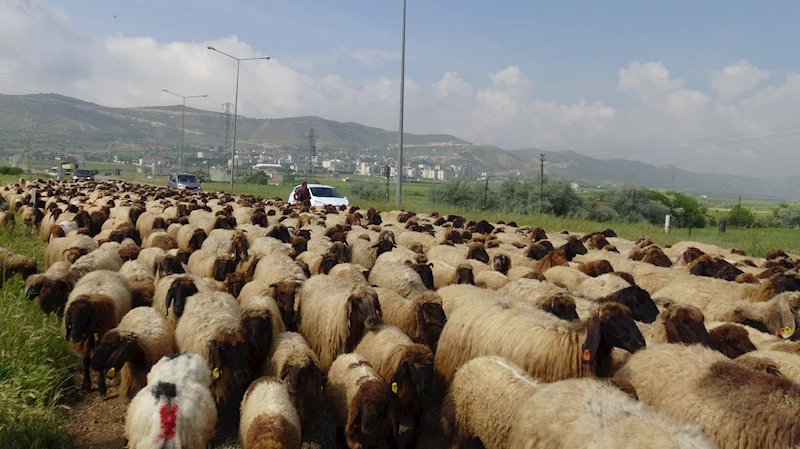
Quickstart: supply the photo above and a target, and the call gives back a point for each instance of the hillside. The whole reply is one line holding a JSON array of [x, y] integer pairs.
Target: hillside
[[55, 120]]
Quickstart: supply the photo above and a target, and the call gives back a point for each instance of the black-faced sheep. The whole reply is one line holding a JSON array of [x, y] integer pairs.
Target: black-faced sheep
[[445, 274], [610, 287], [232, 244], [421, 316], [261, 321], [292, 360], [332, 316], [141, 281], [406, 366], [172, 292], [138, 342], [97, 303], [205, 263], [496, 402], [543, 295], [552, 349], [211, 327], [737, 406], [68, 248], [365, 409], [50, 289], [175, 408], [268, 417]]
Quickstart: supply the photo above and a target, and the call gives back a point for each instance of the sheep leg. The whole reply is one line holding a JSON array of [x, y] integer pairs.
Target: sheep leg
[[101, 384], [415, 433], [87, 379]]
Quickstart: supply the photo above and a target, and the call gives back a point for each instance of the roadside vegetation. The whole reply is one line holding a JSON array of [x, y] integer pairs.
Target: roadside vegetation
[[36, 366]]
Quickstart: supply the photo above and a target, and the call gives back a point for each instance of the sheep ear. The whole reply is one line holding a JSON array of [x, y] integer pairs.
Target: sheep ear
[[592, 343], [350, 302], [285, 371], [399, 375], [420, 325], [170, 299]]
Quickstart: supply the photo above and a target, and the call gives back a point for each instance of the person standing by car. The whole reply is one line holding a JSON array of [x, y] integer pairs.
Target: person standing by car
[[303, 195]]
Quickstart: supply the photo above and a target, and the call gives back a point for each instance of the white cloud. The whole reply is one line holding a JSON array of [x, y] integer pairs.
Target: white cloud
[[374, 58], [737, 79], [40, 50]]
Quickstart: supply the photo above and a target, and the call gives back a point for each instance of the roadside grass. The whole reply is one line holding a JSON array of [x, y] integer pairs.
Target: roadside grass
[[36, 366]]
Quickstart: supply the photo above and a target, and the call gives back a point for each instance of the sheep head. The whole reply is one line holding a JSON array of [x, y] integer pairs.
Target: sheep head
[[415, 371], [538, 234], [464, 274], [302, 380], [300, 245], [572, 248], [180, 289], [280, 232], [685, 325], [223, 266], [501, 263], [731, 340], [168, 265], [611, 325], [284, 293], [637, 300], [374, 417], [596, 268], [83, 320], [196, 240], [257, 326], [562, 306], [425, 274], [113, 351], [328, 262], [234, 282], [478, 252], [229, 355], [363, 311]]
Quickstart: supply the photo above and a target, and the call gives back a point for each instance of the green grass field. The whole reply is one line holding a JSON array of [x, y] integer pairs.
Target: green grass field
[[36, 365]]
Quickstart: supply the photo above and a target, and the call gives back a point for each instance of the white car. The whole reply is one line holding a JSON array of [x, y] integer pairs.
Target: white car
[[322, 195]]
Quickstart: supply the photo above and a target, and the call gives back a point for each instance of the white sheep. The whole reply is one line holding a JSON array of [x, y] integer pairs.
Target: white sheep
[[268, 417]]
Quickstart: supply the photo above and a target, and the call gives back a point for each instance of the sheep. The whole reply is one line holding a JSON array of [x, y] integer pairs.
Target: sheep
[[160, 239], [141, 281], [176, 408], [491, 280], [292, 360], [11, 264], [190, 237], [596, 268], [775, 285], [7, 218], [268, 418], [756, 339], [228, 243], [715, 267], [565, 276], [160, 263], [732, 340], [353, 274], [149, 222], [496, 402], [421, 316], [610, 287], [261, 321], [400, 277], [211, 327], [786, 363], [543, 295], [737, 406], [100, 259], [205, 263], [138, 342], [97, 303], [332, 316], [552, 259], [50, 289], [68, 248], [265, 246], [445, 274], [365, 410], [363, 253], [406, 366], [548, 348], [457, 255], [172, 292], [774, 316]]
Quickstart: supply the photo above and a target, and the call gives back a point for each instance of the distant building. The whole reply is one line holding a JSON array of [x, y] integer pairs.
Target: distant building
[[574, 185]]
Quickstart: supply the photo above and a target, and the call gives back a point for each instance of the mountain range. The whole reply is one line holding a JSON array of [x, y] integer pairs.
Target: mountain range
[[50, 122]]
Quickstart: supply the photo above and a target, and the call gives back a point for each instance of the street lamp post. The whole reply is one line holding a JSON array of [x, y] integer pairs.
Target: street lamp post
[[402, 95], [235, 105], [155, 145], [183, 121]]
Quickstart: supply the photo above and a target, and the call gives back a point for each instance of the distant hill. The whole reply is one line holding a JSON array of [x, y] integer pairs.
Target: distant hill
[[30, 123]]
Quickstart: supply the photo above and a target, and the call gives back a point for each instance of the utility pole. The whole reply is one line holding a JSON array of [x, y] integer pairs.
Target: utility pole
[[402, 97], [486, 191], [673, 176], [541, 180], [227, 124], [312, 149]]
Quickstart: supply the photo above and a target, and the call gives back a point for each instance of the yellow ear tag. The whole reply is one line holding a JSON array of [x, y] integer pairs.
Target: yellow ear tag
[[215, 373], [96, 337], [786, 332], [233, 255], [111, 372], [394, 387]]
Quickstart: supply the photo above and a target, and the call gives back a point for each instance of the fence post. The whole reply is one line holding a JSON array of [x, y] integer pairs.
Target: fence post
[[667, 223], [722, 226]]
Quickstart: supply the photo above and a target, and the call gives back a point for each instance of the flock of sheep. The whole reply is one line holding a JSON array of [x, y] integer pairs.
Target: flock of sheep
[[207, 304]]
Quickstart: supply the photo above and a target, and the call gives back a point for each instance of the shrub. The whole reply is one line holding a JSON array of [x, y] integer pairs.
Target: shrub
[[685, 210], [633, 204], [368, 191], [740, 216], [258, 178], [459, 192], [789, 216], [11, 171]]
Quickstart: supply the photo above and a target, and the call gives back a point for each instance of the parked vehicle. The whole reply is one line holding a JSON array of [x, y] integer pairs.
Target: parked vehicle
[[81, 174], [322, 195], [186, 181]]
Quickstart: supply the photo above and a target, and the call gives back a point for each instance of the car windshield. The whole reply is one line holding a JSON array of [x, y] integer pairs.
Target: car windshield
[[83, 172], [187, 178], [326, 192]]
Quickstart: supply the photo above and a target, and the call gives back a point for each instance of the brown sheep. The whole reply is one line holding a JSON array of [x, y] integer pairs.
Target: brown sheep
[[539, 249], [731, 340], [501, 263], [596, 268]]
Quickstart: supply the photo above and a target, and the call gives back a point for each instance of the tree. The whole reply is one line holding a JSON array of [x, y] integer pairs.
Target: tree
[[458, 192], [685, 210], [789, 216], [740, 216], [368, 191], [258, 178], [633, 204]]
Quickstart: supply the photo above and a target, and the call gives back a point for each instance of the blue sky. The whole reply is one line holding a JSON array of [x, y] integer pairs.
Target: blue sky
[[601, 78]]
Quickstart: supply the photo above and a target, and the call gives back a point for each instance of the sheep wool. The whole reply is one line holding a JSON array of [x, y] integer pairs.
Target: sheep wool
[[141, 281], [787, 363], [421, 317], [176, 408], [268, 418], [737, 406], [292, 360]]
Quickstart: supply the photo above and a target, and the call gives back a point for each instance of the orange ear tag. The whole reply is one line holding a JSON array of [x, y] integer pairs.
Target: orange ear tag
[[587, 355]]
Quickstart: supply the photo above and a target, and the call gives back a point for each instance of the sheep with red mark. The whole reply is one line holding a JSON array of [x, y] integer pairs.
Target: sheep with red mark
[[406, 366], [268, 419], [494, 401], [176, 408], [211, 327], [261, 321], [138, 342], [545, 346], [738, 407], [365, 409], [97, 303], [292, 361], [333, 315]]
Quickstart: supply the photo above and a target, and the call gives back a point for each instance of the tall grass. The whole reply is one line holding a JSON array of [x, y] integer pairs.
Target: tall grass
[[36, 365]]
